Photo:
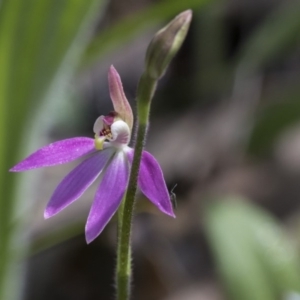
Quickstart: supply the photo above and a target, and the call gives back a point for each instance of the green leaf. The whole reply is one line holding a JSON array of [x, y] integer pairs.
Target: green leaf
[[275, 37], [255, 259], [40, 45], [274, 250]]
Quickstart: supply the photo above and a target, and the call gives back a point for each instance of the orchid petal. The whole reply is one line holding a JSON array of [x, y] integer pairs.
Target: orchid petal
[[108, 196], [152, 183], [77, 181], [119, 100], [57, 153]]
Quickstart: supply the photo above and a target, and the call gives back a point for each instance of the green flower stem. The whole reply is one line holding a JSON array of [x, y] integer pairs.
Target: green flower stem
[[160, 52], [145, 93]]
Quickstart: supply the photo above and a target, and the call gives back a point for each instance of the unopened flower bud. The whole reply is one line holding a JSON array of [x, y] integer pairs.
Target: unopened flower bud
[[166, 44]]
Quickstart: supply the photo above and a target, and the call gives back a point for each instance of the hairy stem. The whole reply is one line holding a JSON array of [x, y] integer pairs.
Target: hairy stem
[[145, 93]]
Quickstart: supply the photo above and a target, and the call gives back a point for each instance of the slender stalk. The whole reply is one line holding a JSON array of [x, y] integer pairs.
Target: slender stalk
[[160, 52], [145, 93]]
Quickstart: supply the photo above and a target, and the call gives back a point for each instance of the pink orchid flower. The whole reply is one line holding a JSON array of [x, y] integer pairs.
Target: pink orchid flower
[[108, 157]]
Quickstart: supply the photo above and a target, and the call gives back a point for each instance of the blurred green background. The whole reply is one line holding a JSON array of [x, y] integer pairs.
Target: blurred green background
[[225, 126]]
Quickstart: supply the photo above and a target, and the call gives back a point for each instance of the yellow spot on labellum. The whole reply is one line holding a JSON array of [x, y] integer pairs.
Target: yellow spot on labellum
[[99, 142]]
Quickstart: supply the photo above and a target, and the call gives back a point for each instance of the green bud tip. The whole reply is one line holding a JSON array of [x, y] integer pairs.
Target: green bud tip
[[166, 43]]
